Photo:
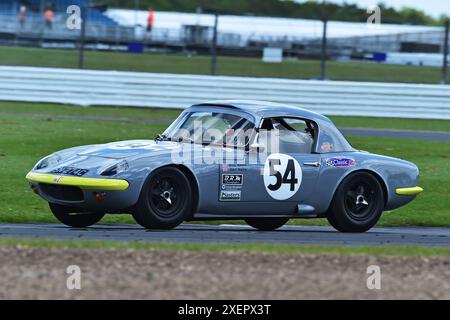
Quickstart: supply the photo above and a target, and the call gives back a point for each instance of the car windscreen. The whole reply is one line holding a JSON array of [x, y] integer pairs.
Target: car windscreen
[[215, 128]]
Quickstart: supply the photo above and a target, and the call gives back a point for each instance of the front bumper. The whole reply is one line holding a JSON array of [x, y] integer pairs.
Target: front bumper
[[80, 182], [90, 194]]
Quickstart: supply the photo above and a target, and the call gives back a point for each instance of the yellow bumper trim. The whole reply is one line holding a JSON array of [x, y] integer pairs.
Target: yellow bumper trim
[[83, 183], [409, 191]]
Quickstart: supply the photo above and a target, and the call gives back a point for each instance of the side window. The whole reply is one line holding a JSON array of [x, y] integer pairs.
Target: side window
[[291, 135], [331, 140]]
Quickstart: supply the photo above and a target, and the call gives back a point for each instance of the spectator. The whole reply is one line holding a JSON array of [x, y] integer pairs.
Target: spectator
[[150, 20], [49, 16], [22, 16]]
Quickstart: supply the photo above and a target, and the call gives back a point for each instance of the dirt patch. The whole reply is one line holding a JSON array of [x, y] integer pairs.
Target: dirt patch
[[130, 274]]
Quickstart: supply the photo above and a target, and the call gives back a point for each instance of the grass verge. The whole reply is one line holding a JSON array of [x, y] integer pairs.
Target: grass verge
[[230, 66], [256, 248], [49, 110], [26, 109]]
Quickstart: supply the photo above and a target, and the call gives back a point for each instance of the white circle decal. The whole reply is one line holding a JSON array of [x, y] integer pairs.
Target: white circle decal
[[282, 176]]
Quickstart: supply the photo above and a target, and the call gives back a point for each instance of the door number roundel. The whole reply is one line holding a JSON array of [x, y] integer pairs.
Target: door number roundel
[[282, 176]]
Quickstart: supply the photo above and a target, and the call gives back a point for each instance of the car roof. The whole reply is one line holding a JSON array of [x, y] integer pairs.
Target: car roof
[[264, 109]]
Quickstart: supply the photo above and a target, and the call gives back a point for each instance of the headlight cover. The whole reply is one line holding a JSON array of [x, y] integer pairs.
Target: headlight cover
[[116, 169], [49, 161]]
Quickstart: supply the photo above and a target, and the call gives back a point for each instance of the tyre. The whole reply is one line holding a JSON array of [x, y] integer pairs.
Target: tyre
[[266, 224], [73, 218], [357, 204], [165, 200]]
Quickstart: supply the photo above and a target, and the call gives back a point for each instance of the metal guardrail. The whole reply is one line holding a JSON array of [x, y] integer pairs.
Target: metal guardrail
[[87, 87]]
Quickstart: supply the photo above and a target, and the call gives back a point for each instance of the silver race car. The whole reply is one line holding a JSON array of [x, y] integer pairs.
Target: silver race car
[[262, 162]]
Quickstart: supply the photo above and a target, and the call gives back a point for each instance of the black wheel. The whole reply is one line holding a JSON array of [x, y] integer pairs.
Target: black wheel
[[266, 224], [72, 217], [165, 200], [358, 204]]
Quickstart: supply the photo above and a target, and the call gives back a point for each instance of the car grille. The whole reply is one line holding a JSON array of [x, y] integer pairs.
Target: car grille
[[64, 193]]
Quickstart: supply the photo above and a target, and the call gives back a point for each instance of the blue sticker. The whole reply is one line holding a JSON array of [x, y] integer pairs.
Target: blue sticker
[[341, 162]]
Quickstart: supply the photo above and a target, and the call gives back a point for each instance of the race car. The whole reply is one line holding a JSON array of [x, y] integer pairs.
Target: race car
[[261, 162]]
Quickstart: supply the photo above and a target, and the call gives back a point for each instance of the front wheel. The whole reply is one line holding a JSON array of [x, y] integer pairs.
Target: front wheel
[[165, 200], [73, 218], [266, 224], [358, 204]]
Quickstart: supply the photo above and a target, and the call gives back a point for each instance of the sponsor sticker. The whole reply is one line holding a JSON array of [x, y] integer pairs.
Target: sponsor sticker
[[230, 195], [232, 179], [233, 167], [70, 171], [341, 162]]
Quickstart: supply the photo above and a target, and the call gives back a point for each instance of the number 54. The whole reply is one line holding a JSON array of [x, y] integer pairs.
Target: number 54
[[287, 178]]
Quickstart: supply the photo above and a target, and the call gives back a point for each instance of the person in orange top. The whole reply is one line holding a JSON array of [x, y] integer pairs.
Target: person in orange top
[[49, 16], [150, 20]]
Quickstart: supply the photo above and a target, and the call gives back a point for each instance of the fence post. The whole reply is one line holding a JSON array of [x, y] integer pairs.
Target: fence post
[[214, 46], [84, 17], [323, 59], [41, 19], [445, 63]]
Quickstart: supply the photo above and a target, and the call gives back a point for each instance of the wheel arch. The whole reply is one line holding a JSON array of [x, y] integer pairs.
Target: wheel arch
[[381, 182], [193, 182], [191, 178]]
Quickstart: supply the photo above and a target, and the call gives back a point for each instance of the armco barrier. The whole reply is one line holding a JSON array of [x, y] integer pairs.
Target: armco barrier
[[88, 87]]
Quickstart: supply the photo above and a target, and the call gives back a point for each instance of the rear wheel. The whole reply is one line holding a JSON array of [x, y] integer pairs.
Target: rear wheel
[[165, 200], [73, 218], [358, 204], [266, 224]]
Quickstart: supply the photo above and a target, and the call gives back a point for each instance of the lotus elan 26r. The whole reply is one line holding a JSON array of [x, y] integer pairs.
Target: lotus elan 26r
[[261, 162]]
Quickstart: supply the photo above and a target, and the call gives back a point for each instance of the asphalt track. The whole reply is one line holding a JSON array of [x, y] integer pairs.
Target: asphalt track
[[190, 233]]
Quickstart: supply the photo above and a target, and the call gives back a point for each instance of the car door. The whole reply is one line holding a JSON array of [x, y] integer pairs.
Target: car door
[[285, 173]]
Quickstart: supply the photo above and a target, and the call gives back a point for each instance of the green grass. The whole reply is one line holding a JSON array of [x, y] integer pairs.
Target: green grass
[[47, 109], [391, 123], [231, 66], [24, 139], [50, 110], [244, 247]]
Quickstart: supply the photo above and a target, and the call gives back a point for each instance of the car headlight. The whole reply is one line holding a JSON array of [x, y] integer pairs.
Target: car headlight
[[49, 161], [116, 169]]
